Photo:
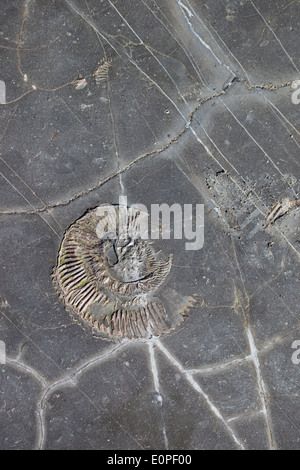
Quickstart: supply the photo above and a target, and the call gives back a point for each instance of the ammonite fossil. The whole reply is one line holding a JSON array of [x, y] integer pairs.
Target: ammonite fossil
[[114, 280]]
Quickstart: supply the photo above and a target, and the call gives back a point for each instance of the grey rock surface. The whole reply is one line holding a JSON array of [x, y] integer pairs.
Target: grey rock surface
[[187, 102]]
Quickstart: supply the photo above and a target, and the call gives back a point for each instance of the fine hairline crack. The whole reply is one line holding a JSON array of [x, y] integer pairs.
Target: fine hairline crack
[[145, 155], [151, 153]]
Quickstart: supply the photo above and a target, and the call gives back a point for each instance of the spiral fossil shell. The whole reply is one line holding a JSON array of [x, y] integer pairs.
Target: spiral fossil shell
[[115, 284]]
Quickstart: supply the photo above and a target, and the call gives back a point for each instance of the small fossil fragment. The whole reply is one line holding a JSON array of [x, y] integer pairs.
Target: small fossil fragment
[[101, 73], [80, 83], [280, 209], [114, 283]]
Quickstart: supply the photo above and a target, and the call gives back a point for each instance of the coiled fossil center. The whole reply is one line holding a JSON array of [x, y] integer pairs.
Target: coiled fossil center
[[126, 259]]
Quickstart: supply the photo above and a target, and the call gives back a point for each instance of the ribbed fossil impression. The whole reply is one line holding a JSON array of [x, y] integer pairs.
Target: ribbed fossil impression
[[114, 280], [101, 73]]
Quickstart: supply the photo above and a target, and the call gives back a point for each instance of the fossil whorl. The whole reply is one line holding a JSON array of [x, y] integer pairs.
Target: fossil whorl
[[112, 281]]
